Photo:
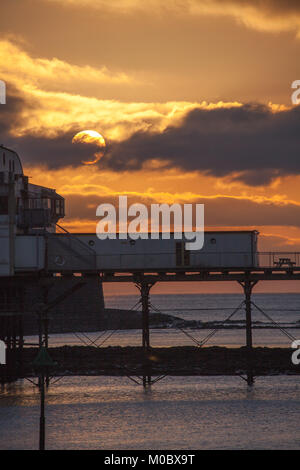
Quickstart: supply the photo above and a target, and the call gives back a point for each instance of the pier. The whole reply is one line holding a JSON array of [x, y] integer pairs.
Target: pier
[[12, 311], [48, 273]]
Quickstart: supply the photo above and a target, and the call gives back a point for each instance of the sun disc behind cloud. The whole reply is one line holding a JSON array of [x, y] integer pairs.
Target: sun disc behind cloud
[[91, 137]]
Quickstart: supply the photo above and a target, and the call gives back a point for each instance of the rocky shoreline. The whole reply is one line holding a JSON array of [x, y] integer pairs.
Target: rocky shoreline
[[188, 360]]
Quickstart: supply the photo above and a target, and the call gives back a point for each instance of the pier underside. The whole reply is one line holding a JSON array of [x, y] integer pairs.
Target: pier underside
[[49, 312]]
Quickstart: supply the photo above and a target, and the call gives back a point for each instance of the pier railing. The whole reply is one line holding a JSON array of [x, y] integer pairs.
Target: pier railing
[[265, 259], [69, 253], [278, 259]]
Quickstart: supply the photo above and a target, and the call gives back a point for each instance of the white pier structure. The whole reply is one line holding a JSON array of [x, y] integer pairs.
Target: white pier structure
[[37, 254]]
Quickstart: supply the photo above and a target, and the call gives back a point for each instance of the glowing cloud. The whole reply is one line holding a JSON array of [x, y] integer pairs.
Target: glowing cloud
[[268, 15]]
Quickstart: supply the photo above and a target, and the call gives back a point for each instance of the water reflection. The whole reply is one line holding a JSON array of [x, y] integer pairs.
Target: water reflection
[[185, 412]]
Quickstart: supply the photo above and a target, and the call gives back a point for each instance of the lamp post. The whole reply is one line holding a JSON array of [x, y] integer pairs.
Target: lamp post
[[41, 364]]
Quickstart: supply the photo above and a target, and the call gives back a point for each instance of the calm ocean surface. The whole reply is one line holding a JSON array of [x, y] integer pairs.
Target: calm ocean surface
[[178, 412], [284, 309]]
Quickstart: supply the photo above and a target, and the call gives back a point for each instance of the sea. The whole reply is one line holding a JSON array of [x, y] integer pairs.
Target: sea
[[175, 413]]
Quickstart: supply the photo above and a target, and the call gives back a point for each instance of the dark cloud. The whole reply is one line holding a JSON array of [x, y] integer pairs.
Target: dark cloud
[[225, 211], [250, 140], [249, 143], [35, 149], [10, 113], [54, 152], [219, 211]]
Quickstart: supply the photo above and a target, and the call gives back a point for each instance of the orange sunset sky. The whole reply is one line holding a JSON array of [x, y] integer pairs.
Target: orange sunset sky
[[193, 98]]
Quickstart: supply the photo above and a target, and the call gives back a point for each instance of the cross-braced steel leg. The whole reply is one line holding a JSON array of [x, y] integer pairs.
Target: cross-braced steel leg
[[42, 314]]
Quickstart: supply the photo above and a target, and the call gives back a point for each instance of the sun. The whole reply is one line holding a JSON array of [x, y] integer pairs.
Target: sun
[[91, 137]]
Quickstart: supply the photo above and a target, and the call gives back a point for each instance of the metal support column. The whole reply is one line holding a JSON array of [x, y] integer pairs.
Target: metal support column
[[248, 286], [144, 288], [46, 327], [42, 412]]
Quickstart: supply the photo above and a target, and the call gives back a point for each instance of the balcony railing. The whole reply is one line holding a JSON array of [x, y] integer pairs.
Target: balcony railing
[[278, 259]]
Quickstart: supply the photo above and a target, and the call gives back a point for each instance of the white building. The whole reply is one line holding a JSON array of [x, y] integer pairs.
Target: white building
[[25, 208], [29, 242]]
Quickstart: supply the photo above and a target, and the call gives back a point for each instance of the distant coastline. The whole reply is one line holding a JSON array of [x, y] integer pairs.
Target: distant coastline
[[130, 319]]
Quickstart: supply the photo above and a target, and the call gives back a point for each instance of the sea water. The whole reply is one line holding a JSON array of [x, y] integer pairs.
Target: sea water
[[181, 413], [209, 311]]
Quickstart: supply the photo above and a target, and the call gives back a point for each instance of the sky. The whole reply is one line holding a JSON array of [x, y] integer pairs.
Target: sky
[[192, 97]]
